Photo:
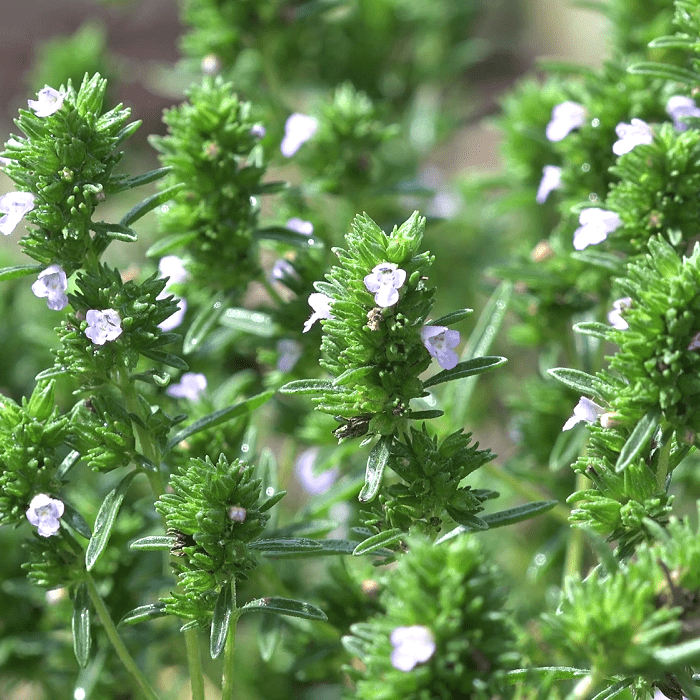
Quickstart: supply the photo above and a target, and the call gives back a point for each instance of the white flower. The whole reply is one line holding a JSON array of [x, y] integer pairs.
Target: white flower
[[175, 319], [439, 341], [596, 224], [191, 386], [258, 131], [103, 326], [680, 106], [298, 129], [384, 282], [615, 316], [44, 513], [585, 410], [551, 180], [300, 226], [637, 133], [174, 269], [412, 646], [49, 101], [694, 343], [321, 304], [566, 117], [313, 483], [288, 354], [14, 205], [52, 284], [283, 268]]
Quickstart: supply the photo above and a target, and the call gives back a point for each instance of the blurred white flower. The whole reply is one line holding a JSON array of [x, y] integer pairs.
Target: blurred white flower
[[637, 133], [585, 411], [288, 354], [14, 205], [300, 226], [191, 386], [52, 284], [412, 646], [48, 102], [596, 224], [680, 106], [551, 180], [321, 304], [173, 267], [615, 316], [298, 129], [312, 482], [44, 513], [566, 117]]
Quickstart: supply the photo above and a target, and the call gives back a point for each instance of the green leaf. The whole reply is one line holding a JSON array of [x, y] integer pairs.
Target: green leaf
[[10, 273], [378, 541], [283, 546], [129, 183], [104, 522], [272, 187], [665, 71], [288, 236], [639, 438], [143, 613], [307, 386], [556, 673], [566, 449], [680, 655], [477, 365], [150, 203], [51, 372], [167, 358], [593, 328], [376, 463], [170, 243], [80, 625], [424, 415], [597, 258], [614, 690], [153, 543], [221, 620], [222, 416], [76, 521], [269, 637], [676, 41], [118, 232], [253, 322], [453, 317], [203, 322], [69, 461], [285, 606], [350, 376], [575, 379]]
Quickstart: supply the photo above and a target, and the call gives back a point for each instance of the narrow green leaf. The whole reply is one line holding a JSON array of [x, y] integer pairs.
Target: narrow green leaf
[[76, 521], [170, 243], [167, 358], [425, 415], [203, 322], [307, 386], [597, 258], [272, 187], [69, 461], [80, 624], [614, 690], [683, 654], [556, 673], [351, 376], [150, 203], [326, 548], [593, 328], [288, 236], [676, 41], [575, 379], [222, 416], [566, 449], [143, 613], [129, 183], [253, 322], [285, 606], [269, 637], [517, 514], [452, 318], [282, 547], [10, 273], [376, 463], [221, 620], [118, 232], [665, 71], [638, 440], [51, 372], [153, 543], [104, 522], [477, 365], [383, 539]]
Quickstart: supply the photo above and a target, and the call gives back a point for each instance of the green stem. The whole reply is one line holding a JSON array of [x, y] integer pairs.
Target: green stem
[[194, 663], [274, 294], [119, 646], [574, 545], [227, 688]]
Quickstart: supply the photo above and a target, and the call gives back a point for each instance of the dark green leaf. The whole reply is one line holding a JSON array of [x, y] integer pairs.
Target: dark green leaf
[[351, 376], [272, 501], [285, 606], [69, 461], [597, 258], [425, 415], [557, 673], [170, 243], [283, 547], [288, 236], [665, 71], [104, 522], [477, 365], [307, 386], [203, 322], [81, 625], [639, 439], [76, 521], [271, 187], [150, 203], [593, 328], [143, 613], [253, 322], [378, 458], [154, 543], [167, 358], [10, 273], [575, 379], [453, 317], [119, 232], [517, 514], [221, 620], [51, 372], [128, 183], [378, 541]]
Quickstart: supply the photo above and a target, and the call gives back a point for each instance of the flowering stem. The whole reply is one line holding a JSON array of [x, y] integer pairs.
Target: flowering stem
[[194, 664], [227, 679], [119, 646]]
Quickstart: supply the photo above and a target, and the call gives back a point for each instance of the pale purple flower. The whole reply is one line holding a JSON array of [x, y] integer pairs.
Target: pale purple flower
[[585, 411], [321, 304], [680, 106], [694, 343], [412, 646], [52, 284], [288, 354], [258, 131], [49, 101], [439, 342], [566, 117], [283, 268], [44, 513], [174, 269], [14, 205], [298, 129], [103, 326], [384, 282], [176, 318], [596, 224], [211, 64], [638, 133], [300, 226], [615, 316], [551, 180], [313, 483], [191, 386]]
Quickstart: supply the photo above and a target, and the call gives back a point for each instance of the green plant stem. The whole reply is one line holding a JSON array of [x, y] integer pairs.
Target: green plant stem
[[194, 663], [274, 294], [574, 544], [119, 646], [227, 687]]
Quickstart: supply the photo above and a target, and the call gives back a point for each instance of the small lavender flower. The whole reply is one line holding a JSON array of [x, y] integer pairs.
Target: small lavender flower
[[585, 411], [176, 318], [103, 326], [44, 513], [551, 180], [384, 282], [173, 267], [596, 224], [298, 129], [300, 226], [14, 205], [679, 107], [321, 304], [313, 483], [694, 343], [439, 342], [49, 101], [638, 133], [566, 117], [288, 354], [283, 268], [615, 316], [52, 284], [191, 386], [258, 131], [412, 646]]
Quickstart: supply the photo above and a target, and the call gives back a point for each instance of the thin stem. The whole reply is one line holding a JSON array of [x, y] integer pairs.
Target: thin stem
[[119, 646], [574, 545], [274, 294], [194, 663], [227, 688]]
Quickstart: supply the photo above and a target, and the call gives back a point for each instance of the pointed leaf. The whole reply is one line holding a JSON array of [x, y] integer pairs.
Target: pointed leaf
[[556, 673], [253, 322], [119, 232], [69, 461], [128, 183], [566, 449], [221, 621], [665, 71], [477, 365], [376, 462], [597, 258], [575, 379], [424, 415], [105, 520], [682, 654], [350, 376], [593, 328], [378, 541], [154, 543], [167, 358], [150, 203], [288, 236], [75, 521], [307, 386], [271, 187], [285, 606], [10, 273], [169, 243], [283, 547], [638, 440], [203, 322], [452, 318], [269, 637], [81, 625], [143, 613]]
